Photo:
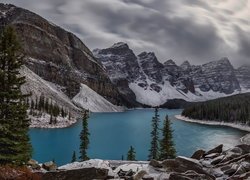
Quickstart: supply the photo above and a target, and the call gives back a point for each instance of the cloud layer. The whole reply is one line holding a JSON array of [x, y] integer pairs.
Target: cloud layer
[[194, 30]]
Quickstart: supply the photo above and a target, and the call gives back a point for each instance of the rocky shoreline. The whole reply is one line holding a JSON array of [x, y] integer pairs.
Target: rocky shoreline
[[215, 164]]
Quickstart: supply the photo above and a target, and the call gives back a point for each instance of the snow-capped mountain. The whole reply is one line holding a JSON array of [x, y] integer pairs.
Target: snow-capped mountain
[[57, 64], [154, 83]]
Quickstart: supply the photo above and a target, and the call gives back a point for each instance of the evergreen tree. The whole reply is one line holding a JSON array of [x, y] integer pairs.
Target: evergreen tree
[[15, 147], [131, 154], [154, 146], [167, 149], [84, 137], [73, 157]]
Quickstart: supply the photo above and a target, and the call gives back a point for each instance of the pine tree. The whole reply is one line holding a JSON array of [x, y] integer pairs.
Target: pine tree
[[154, 146], [167, 149], [15, 147], [73, 157], [131, 154], [84, 137]]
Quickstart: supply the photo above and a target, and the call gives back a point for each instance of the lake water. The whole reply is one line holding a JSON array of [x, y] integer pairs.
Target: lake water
[[113, 133]]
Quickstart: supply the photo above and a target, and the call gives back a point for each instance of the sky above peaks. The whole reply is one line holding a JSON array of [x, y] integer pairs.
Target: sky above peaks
[[195, 30]]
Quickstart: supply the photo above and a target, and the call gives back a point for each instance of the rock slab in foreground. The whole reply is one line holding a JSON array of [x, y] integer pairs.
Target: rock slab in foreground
[[76, 174]]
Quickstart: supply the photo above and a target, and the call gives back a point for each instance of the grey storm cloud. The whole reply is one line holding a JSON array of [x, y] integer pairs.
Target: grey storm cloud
[[194, 30]]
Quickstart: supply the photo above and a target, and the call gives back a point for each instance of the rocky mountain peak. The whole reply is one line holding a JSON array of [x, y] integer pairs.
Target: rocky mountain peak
[[169, 62], [185, 65], [120, 45]]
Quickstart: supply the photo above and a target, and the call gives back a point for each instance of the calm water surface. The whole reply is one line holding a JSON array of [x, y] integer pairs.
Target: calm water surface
[[113, 133]]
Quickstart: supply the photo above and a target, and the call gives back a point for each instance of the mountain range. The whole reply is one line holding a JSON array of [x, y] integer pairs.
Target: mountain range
[[61, 67], [154, 83]]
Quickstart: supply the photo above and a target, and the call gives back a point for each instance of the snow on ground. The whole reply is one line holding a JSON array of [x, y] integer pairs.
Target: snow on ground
[[89, 99], [135, 166], [246, 139], [147, 95], [97, 163], [36, 85], [243, 127], [43, 121]]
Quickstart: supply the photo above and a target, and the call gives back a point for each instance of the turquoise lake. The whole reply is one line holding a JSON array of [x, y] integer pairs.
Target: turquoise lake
[[113, 133]]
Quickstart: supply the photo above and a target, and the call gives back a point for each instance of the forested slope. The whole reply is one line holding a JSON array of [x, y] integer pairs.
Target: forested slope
[[233, 109]]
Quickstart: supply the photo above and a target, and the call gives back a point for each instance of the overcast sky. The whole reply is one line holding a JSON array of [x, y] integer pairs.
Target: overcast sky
[[194, 30]]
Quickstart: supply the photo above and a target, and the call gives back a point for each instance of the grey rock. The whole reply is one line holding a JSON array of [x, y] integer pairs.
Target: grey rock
[[49, 166], [217, 149], [217, 159], [189, 175], [155, 163], [83, 174], [198, 154]]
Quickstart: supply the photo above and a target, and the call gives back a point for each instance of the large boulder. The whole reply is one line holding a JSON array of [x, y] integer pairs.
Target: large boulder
[[81, 174], [198, 154], [189, 175], [217, 149]]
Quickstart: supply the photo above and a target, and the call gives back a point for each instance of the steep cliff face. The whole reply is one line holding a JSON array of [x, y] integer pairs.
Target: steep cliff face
[[56, 55], [243, 76], [217, 76], [154, 83]]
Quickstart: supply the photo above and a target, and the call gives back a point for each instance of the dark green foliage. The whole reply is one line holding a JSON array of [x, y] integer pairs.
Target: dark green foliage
[[15, 147], [84, 137], [131, 154], [45, 105], [73, 157], [154, 146], [167, 149], [233, 109]]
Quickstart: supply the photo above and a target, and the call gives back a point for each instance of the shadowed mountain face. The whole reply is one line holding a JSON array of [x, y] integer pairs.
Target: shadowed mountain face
[[150, 80], [57, 55]]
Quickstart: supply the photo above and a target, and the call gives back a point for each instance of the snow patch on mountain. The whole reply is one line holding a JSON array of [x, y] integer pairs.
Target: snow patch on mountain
[[146, 95], [89, 99]]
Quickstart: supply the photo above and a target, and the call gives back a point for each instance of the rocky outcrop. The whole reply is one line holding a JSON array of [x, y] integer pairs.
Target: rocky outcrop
[[217, 76], [214, 164], [243, 76], [57, 55], [83, 174]]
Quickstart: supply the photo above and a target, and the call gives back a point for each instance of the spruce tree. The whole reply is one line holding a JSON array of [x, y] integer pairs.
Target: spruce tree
[[73, 157], [15, 147], [84, 137], [167, 149], [154, 146], [131, 154]]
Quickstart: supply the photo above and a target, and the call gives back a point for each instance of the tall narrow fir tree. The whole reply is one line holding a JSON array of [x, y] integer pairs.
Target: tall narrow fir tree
[[131, 154], [15, 147], [84, 137], [167, 149], [154, 146]]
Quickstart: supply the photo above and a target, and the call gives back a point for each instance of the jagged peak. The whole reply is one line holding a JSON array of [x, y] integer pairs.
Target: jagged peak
[[169, 62], [186, 63], [146, 54], [120, 45], [222, 61]]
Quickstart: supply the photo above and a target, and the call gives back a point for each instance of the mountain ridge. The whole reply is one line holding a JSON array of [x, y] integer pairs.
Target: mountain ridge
[[160, 82]]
